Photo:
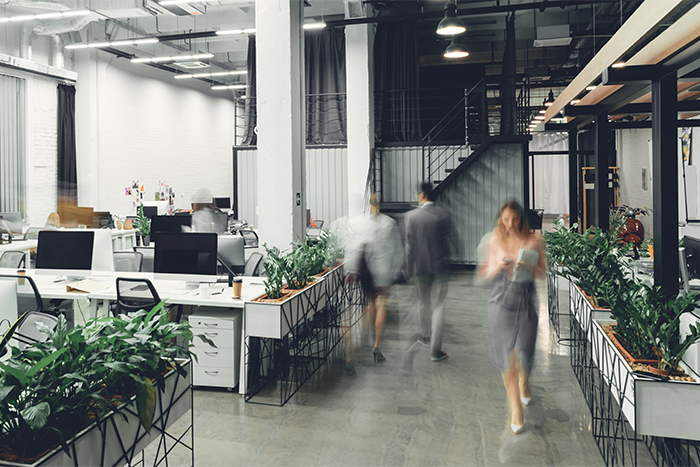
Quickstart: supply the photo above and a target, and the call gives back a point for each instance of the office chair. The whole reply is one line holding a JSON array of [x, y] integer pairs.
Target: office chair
[[249, 237], [13, 259], [128, 261], [252, 265], [137, 294], [32, 233], [534, 218], [149, 254]]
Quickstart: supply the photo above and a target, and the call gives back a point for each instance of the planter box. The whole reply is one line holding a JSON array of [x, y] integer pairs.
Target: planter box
[[113, 441], [653, 407], [692, 356], [275, 320], [583, 311]]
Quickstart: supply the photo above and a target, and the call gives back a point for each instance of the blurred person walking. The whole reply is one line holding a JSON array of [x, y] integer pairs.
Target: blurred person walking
[[515, 257], [428, 234], [374, 259]]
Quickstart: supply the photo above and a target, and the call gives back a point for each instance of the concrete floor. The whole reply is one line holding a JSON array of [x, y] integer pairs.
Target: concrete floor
[[450, 413]]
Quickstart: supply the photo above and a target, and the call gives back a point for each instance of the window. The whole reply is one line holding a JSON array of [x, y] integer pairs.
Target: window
[[12, 145]]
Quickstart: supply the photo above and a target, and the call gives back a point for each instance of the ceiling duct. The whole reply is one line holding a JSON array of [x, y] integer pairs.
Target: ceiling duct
[[552, 36], [39, 5]]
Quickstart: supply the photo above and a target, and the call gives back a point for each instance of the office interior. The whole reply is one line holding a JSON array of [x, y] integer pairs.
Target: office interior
[[288, 114]]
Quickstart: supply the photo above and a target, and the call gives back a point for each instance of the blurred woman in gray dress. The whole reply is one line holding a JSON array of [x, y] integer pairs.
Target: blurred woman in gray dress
[[514, 258]]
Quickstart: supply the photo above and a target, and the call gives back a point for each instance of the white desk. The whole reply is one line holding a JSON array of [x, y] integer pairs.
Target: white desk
[[28, 246]]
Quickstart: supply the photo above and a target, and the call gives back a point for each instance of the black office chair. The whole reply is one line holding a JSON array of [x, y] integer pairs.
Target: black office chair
[[148, 253], [128, 261], [534, 218], [137, 294], [252, 265], [32, 233], [250, 238], [13, 259]]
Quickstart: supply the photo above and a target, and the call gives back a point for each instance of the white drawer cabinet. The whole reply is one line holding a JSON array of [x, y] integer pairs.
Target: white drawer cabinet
[[217, 366]]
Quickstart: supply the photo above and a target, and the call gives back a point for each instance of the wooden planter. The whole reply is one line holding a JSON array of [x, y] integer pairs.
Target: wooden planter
[[652, 406], [113, 441]]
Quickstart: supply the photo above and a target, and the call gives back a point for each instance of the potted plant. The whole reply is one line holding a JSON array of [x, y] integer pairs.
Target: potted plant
[[143, 226], [300, 264], [274, 270]]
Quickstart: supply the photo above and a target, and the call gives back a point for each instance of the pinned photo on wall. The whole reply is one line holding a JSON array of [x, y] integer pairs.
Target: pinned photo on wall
[[127, 190], [686, 140]]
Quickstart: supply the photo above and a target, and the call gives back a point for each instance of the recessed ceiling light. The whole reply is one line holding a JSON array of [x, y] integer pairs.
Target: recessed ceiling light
[[539, 117], [543, 111], [575, 101], [590, 88], [618, 65]]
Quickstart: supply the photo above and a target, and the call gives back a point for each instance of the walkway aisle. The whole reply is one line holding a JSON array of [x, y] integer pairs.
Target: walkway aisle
[[450, 413]]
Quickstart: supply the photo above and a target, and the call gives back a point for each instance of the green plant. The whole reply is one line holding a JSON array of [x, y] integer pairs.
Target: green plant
[[298, 266], [616, 220], [274, 269], [143, 223], [52, 389]]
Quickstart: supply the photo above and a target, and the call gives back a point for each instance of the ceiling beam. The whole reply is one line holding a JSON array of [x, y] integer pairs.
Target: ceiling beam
[[642, 22]]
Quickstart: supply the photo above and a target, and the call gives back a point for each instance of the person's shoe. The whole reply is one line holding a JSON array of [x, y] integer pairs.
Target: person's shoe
[[525, 400], [516, 429], [436, 357], [424, 340], [378, 355]]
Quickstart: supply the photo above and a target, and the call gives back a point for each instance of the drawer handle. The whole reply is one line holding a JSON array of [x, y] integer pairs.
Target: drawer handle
[[211, 325], [211, 334], [211, 353], [212, 372]]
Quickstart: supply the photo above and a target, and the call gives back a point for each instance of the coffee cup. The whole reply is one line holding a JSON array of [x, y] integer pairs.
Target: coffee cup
[[21, 272], [203, 290], [237, 287]]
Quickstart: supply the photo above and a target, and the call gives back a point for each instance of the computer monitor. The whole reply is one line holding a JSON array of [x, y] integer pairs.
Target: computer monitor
[[223, 203], [11, 221], [692, 254], [150, 211], [186, 253], [101, 220], [65, 249], [168, 224], [231, 253]]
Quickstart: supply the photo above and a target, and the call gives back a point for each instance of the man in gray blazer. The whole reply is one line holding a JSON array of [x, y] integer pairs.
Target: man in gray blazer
[[428, 233]]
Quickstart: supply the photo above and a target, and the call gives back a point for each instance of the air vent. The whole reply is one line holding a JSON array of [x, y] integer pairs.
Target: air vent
[[193, 65]]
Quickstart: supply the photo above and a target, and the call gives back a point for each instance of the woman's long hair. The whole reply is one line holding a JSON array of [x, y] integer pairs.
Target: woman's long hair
[[524, 227]]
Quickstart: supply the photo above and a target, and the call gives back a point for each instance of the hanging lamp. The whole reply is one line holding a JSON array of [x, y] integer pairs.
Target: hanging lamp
[[455, 50], [451, 24], [550, 99]]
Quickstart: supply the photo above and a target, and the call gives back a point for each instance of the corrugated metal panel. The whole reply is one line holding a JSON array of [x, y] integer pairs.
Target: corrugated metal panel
[[473, 199], [326, 183], [12, 163]]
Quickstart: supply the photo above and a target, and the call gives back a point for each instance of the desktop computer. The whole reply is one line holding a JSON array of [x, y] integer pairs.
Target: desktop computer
[[169, 224], [186, 253], [65, 249]]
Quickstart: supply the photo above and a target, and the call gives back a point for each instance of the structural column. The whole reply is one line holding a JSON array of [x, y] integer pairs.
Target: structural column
[[359, 42], [281, 121], [574, 168], [602, 190], [664, 95]]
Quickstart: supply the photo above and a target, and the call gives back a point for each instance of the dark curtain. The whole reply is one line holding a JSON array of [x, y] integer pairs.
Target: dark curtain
[[508, 90], [250, 107], [397, 112], [325, 87], [67, 167]]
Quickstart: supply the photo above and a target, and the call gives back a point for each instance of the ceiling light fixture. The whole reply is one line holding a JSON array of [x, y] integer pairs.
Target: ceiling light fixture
[[209, 75], [575, 101], [455, 50], [451, 24], [149, 40], [550, 99], [590, 88], [176, 58], [543, 111], [539, 117], [63, 14], [232, 86], [320, 25], [618, 65], [228, 32]]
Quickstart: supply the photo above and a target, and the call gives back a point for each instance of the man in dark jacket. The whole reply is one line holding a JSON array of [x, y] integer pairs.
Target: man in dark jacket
[[428, 232]]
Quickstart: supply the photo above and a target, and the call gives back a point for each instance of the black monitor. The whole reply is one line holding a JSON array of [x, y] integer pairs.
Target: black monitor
[[11, 222], [68, 249], [223, 203], [150, 211], [185, 253], [101, 220], [692, 255], [171, 224]]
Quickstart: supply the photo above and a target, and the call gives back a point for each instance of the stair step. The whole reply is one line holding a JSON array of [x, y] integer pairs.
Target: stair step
[[449, 170]]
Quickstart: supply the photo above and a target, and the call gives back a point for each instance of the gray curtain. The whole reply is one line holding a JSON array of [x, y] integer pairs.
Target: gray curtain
[[325, 87], [250, 111], [67, 162], [397, 112]]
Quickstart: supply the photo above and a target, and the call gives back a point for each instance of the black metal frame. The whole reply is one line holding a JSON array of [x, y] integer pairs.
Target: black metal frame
[[553, 301], [277, 368]]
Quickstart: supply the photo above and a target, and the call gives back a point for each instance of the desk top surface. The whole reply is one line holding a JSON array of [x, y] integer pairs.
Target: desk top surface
[[18, 245]]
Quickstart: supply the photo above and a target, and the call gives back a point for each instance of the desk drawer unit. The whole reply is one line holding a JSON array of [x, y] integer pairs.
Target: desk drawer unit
[[217, 366]]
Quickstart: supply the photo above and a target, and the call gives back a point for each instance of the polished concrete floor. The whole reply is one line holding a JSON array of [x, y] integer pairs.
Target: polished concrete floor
[[451, 413]]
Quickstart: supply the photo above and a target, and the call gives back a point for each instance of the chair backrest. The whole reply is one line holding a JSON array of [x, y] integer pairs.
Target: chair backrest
[[135, 294], [13, 259], [249, 236], [252, 265], [128, 261], [149, 254], [27, 333], [32, 233]]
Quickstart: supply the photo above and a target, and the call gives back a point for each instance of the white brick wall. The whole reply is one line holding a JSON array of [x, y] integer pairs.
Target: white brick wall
[[632, 156]]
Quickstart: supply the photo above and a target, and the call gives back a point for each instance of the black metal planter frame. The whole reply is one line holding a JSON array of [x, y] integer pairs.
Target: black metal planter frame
[[129, 452], [611, 395], [277, 368]]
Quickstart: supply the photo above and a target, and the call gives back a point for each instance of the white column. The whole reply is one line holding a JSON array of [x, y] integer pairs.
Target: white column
[[359, 40], [281, 121]]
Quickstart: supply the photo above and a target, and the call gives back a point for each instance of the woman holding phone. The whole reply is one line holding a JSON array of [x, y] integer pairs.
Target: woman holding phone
[[515, 257]]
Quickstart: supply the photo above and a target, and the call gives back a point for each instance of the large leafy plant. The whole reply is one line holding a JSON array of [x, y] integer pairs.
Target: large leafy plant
[[143, 223], [274, 271], [52, 389]]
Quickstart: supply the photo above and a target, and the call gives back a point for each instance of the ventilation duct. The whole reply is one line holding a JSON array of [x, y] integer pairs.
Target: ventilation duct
[[39, 5]]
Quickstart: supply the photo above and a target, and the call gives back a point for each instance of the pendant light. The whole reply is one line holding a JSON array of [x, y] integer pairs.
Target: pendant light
[[450, 24], [455, 50], [550, 100]]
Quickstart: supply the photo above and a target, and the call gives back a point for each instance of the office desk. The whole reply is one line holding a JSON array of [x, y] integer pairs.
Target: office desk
[[28, 246]]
